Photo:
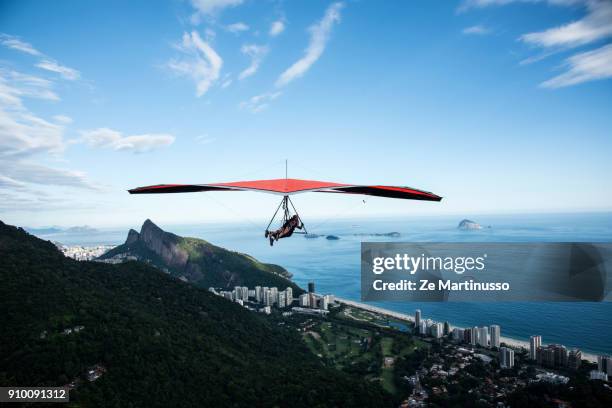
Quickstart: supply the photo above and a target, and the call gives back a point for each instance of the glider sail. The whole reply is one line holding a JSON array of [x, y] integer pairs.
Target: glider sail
[[288, 187]]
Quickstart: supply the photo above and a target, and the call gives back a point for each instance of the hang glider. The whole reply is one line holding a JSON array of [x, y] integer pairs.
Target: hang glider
[[292, 186], [287, 187]]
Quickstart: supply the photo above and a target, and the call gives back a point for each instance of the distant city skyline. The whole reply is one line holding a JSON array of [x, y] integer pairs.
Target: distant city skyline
[[498, 106]]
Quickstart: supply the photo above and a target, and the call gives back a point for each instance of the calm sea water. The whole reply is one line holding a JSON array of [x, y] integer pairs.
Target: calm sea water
[[334, 266]]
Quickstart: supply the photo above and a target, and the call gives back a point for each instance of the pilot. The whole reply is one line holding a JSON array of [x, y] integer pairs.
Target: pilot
[[286, 230]]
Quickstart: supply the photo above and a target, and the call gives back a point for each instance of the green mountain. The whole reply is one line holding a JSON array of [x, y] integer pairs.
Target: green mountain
[[153, 340], [197, 261]]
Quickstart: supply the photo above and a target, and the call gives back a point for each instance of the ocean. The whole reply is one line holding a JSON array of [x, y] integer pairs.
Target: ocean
[[334, 266]]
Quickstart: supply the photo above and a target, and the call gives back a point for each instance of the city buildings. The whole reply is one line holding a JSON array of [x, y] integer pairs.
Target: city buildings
[[495, 335], [574, 359], [482, 338], [604, 364], [506, 357], [535, 342], [553, 355], [417, 320], [598, 375]]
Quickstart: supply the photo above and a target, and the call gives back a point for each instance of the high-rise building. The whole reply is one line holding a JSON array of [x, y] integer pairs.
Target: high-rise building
[[483, 336], [495, 335], [282, 299], [311, 287], [274, 294], [506, 357], [535, 342], [574, 359], [604, 364], [474, 337], [446, 328], [312, 300], [417, 320], [598, 375], [289, 296], [467, 335], [267, 298], [553, 355], [258, 296], [437, 330], [324, 303], [304, 300], [458, 334]]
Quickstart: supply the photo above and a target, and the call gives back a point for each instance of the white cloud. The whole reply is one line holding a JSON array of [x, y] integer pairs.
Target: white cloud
[[237, 28], [469, 4], [209, 8], [596, 25], [21, 132], [15, 85], [15, 43], [25, 136], [63, 119], [257, 54], [112, 139], [38, 174], [204, 139], [200, 62], [277, 27], [476, 30], [260, 102], [226, 81], [584, 67], [319, 35], [66, 72]]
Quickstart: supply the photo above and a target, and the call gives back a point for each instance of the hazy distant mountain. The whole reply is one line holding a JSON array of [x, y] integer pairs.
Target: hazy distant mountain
[[198, 261], [44, 231], [150, 340], [84, 229]]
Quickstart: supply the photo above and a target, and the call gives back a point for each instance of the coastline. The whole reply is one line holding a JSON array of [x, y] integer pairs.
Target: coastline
[[512, 342]]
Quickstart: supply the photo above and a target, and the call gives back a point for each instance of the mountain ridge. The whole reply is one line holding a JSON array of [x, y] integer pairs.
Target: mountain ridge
[[154, 340], [197, 261]]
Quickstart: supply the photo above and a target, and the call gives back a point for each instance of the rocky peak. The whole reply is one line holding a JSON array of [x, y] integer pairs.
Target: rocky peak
[[163, 243], [132, 237]]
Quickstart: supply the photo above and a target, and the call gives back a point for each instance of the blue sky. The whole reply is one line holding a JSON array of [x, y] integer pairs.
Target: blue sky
[[497, 105]]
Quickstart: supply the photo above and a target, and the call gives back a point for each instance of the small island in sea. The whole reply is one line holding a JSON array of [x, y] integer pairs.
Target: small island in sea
[[468, 225]]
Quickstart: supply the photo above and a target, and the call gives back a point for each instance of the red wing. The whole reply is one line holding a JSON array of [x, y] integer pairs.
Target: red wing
[[292, 186]]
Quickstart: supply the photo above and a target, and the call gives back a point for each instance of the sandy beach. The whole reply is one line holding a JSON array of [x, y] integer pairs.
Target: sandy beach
[[514, 343]]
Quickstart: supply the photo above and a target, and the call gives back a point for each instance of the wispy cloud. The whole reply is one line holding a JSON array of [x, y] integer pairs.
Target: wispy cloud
[[199, 61], [259, 103], [584, 67], [15, 85], [277, 28], [112, 139], [257, 54], [43, 175], [45, 63], [594, 26], [21, 132], [469, 4], [15, 43], [476, 30], [63, 119], [204, 139], [319, 35], [210, 8], [237, 28], [53, 66]]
